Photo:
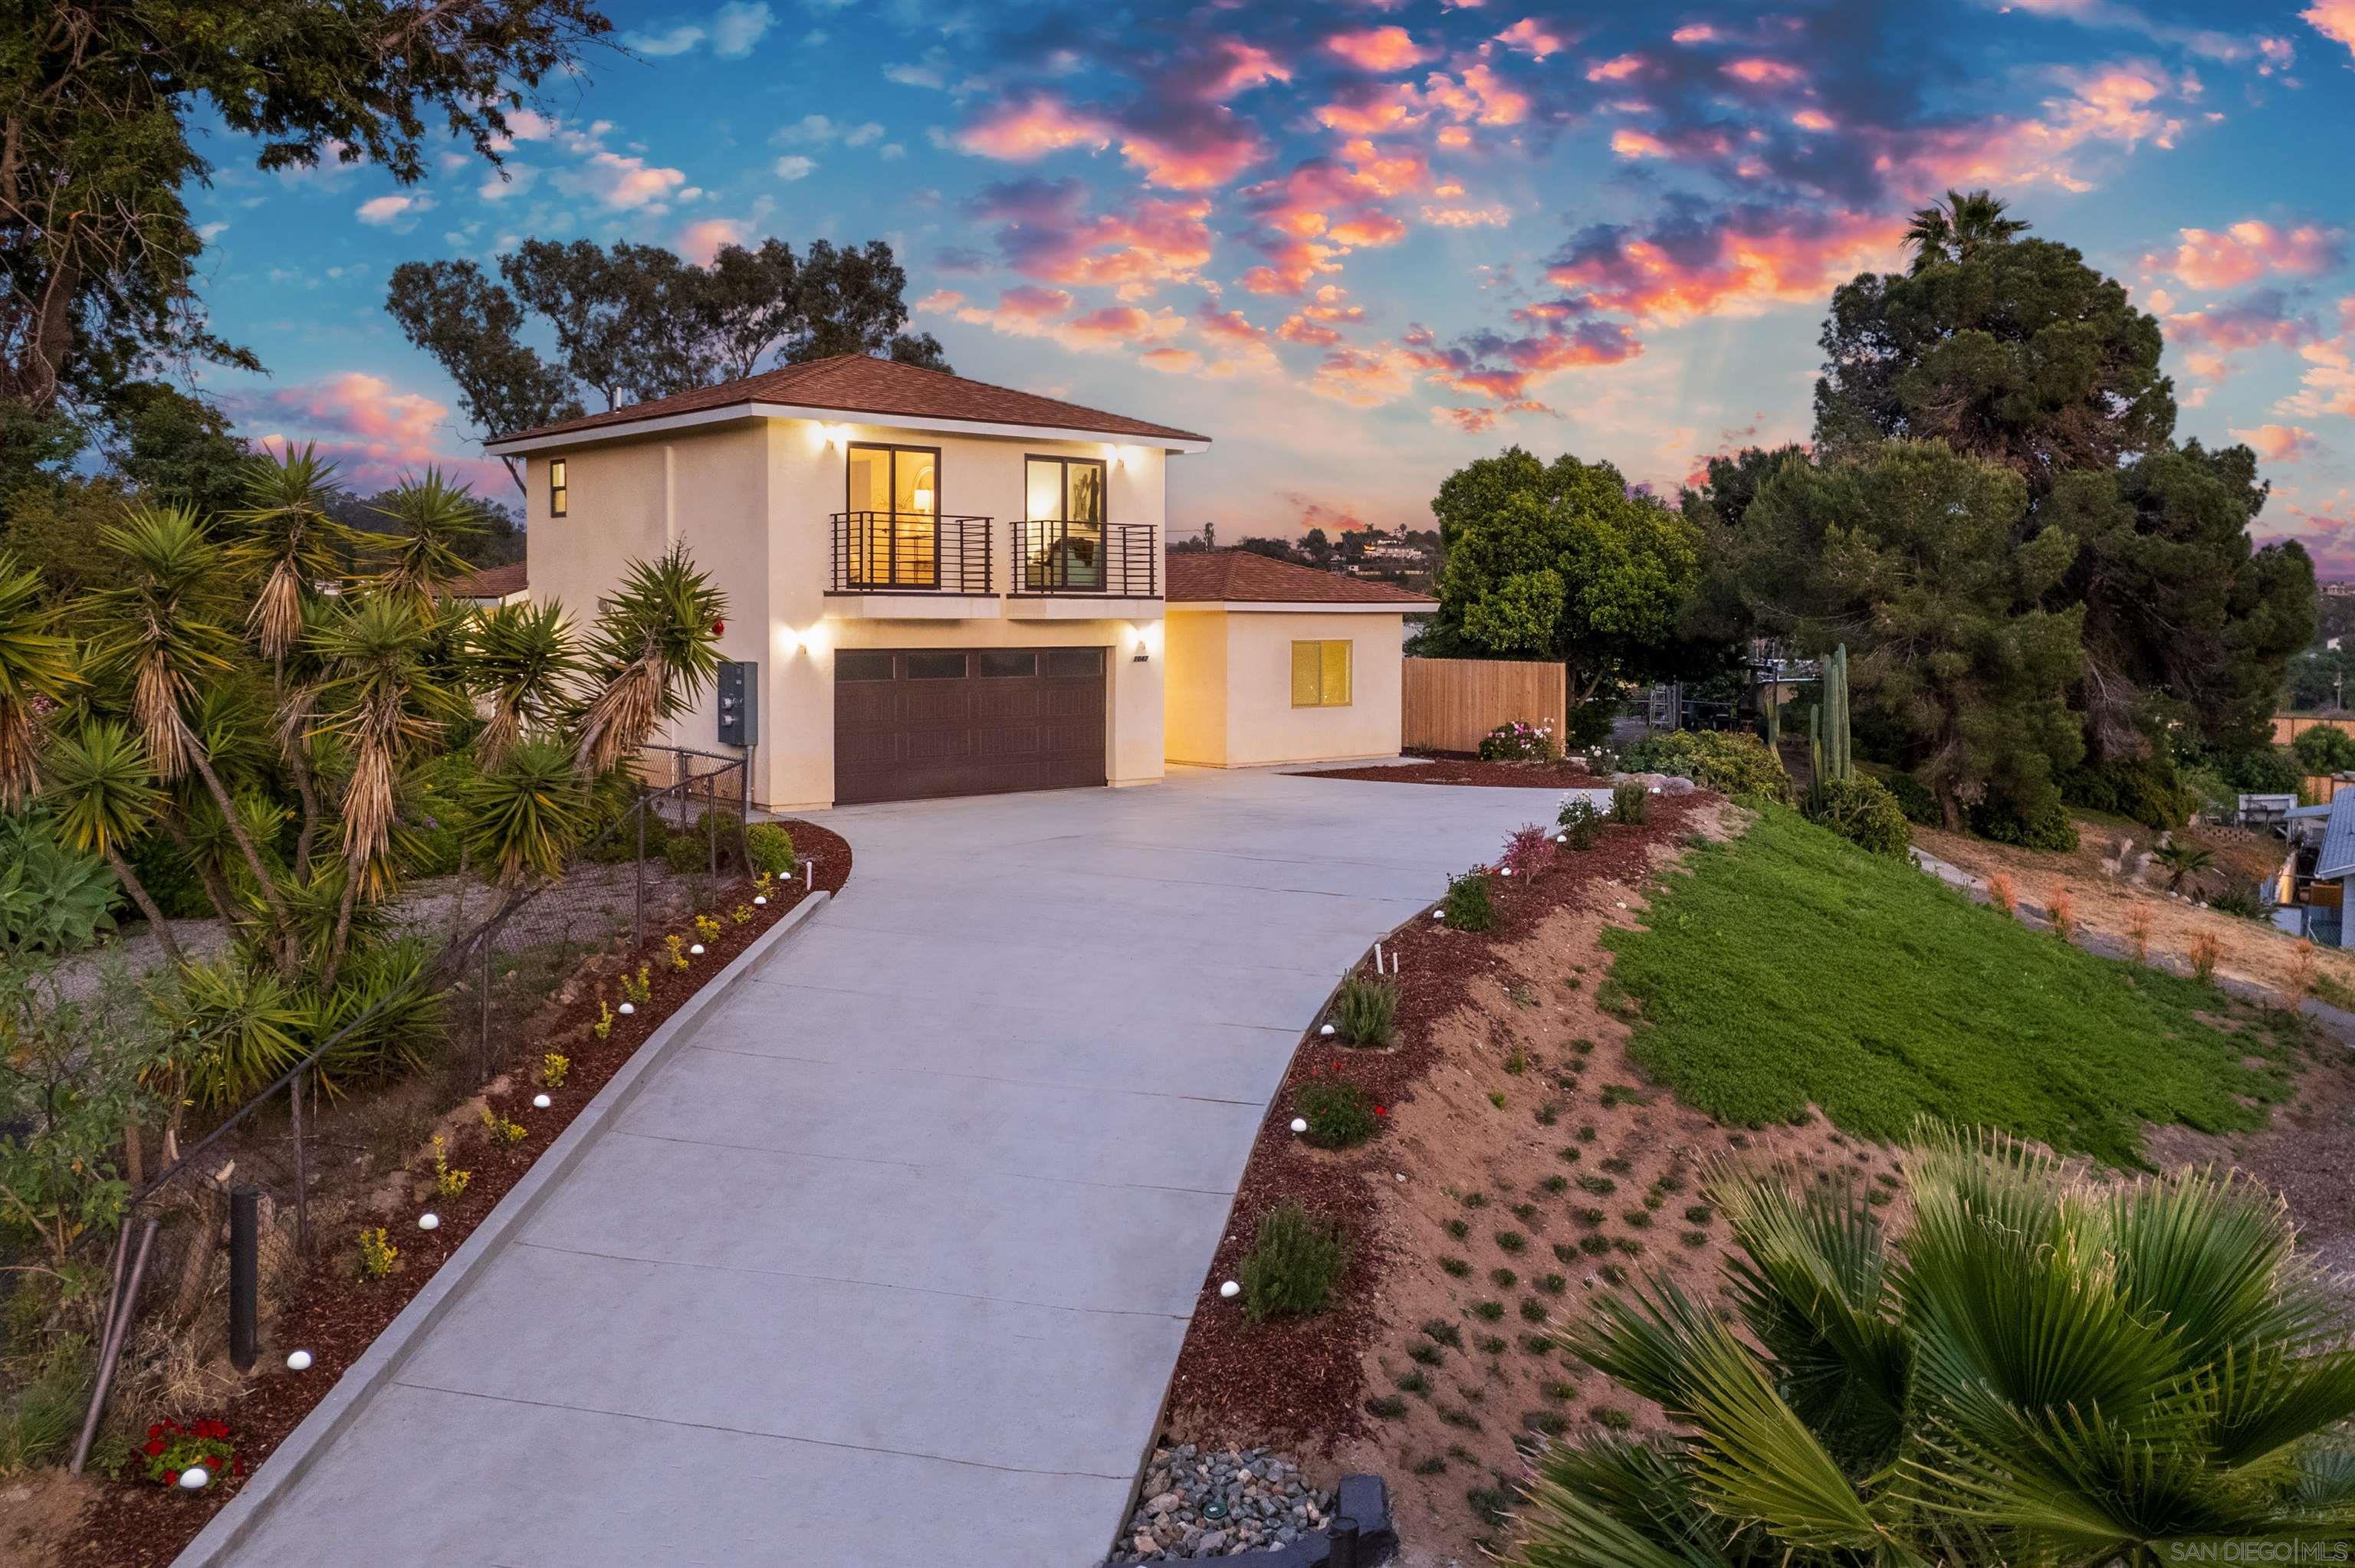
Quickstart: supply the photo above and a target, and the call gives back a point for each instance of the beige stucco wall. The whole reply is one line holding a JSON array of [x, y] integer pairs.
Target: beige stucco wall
[[1194, 708], [751, 502], [1260, 727]]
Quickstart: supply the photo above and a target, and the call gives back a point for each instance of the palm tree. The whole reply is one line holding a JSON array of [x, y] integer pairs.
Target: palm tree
[[1959, 228], [432, 518], [36, 666], [284, 537], [2044, 1370], [518, 657], [2182, 862]]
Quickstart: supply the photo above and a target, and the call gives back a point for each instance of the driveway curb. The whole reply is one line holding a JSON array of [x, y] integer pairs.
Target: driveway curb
[[216, 1544]]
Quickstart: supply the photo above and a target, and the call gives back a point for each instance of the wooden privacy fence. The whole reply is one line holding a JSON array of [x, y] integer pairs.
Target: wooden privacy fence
[[1450, 704], [2289, 726]]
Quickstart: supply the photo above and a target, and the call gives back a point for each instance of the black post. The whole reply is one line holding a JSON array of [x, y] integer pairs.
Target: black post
[[302, 1176], [1344, 1536], [485, 1054], [638, 896], [244, 1276], [711, 816]]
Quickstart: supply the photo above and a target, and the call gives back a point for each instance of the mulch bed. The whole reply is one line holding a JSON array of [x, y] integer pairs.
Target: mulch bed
[[1460, 770], [336, 1315], [1300, 1376]]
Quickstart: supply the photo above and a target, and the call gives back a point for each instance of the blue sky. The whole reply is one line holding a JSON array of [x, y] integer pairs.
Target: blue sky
[[1361, 242]]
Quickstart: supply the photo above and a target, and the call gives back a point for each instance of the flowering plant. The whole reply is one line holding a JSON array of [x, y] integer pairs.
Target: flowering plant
[[1518, 741], [676, 946], [171, 1449], [1526, 850]]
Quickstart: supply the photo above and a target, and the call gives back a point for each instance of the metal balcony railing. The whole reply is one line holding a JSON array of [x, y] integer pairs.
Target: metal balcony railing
[[910, 552], [1118, 560]]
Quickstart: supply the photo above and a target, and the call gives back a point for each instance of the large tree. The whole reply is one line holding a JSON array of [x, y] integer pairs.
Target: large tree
[[637, 322], [98, 252], [1911, 554], [1561, 561]]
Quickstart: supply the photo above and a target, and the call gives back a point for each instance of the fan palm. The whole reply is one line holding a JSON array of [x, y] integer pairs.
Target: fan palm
[[35, 665], [101, 789], [1959, 228], [2182, 862], [520, 658], [2042, 1371], [655, 648]]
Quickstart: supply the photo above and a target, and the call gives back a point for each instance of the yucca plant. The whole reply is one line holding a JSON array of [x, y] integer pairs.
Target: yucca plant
[[36, 666], [101, 789], [236, 1026], [2042, 1369], [524, 816], [519, 657], [431, 520], [657, 648], [284, 538]]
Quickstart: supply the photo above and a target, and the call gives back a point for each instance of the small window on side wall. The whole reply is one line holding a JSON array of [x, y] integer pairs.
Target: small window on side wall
[[1320, 675], [559, 491]]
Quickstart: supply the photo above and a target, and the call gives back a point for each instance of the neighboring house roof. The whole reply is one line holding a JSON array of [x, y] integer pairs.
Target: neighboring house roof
[[1239, 577], [861, 383], [2337, 858], [491, 582]]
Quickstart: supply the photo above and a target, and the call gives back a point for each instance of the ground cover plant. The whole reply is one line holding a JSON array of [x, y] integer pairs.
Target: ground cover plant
[[1790, 968]]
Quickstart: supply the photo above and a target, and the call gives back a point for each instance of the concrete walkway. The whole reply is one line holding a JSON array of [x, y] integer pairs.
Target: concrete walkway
[[892, 1261]]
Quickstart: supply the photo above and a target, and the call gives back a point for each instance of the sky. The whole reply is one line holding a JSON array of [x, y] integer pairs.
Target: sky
[[1361, 242]]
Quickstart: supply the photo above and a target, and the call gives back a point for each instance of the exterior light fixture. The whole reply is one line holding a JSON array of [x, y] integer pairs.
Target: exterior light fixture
[[429, 1222], [298, 1361], [1230, 1290], [541, 1102], [1141, 653]]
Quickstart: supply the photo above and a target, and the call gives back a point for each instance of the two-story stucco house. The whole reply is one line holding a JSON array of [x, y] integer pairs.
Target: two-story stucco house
[[947, 588]]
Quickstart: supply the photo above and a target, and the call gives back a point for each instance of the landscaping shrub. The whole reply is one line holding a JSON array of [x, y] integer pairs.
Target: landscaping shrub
[[2145, 789], [1526, 850], [1366, 1011], [1630, 804], [1915, 798], [1581, 823], [1467, 906], [771, 848], [1519, 741], [2045, 826], [1730, 762], [1339, 1114], [52, 898], [687, 853], [1296, 1260], [2325, 749], [1860, 809], [1591, 721], [171, 1449]]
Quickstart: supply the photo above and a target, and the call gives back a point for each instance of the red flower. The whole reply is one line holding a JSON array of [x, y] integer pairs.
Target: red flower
[[155, 1444], [1380, 1110], [171, 1477], [155, 1432]]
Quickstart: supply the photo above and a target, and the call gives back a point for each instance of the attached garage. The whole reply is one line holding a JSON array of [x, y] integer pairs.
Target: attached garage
[[913, 724]]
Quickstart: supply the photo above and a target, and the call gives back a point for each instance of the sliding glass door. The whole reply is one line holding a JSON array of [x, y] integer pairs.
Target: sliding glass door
[[1063, 540], [894, 517]]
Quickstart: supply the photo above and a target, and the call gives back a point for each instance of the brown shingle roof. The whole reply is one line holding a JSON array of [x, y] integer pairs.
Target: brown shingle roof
[[491, 582], [1238, 576], [861, 383]]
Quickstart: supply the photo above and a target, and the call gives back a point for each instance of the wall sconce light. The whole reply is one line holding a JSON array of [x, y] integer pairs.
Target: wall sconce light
[[1139, 656]]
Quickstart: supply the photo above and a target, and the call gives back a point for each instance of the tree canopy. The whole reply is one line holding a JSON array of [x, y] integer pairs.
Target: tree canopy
[[637, 322]]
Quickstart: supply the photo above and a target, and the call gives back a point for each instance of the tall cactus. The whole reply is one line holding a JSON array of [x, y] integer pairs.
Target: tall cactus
[[1836, 759]]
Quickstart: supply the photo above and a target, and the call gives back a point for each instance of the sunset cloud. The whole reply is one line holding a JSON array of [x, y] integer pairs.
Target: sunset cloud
[[2277, 443], [1380, 50], [2252, 248], [376, 434], [1046, 232], [1737, 262], [2334, 19], [1532, 38]]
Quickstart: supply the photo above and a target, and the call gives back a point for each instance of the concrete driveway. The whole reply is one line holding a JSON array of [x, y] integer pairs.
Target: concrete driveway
[[890, 1263]]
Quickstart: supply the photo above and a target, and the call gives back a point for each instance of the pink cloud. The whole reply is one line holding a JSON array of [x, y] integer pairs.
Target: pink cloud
[[1046, 233], [1240, 67], [2334, 19], [2248, 251], [1363, 377], [1229, 325], [1694, 32], [1617, 68], [1024, 129], [2262, 320], [699, 242], [1170, 361], [1374, 108], [1737, 262], [376, 434], [2277, 443], [1198, 151], [1764, 72], [1300, 329], [1380, 50], [2329, 384], [2113, 104], [1482, 96], [1477, 421], [1532, 38]]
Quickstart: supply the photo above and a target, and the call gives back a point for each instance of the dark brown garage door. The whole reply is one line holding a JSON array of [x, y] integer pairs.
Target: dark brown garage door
[[981, 721]]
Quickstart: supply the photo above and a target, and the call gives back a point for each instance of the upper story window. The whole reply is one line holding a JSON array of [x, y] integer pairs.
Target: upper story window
[[559, 489], [1062, 531], [894, 511]]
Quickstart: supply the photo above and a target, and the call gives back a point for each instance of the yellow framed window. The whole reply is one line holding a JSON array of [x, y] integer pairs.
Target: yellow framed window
[[559, 488], [1320, 675]]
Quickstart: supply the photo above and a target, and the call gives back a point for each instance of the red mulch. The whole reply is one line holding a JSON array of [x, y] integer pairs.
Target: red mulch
[[1460, 770], [336, 1316], [1300, 1376]]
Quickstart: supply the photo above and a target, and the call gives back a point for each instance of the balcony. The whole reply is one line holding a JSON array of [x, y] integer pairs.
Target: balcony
[[910, 553], [1090, 560]]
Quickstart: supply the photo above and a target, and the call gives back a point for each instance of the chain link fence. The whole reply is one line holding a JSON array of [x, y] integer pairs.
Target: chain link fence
[[296, 1161]]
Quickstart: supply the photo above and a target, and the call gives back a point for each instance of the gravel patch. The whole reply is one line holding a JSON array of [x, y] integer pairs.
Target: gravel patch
[[1215, 1502]]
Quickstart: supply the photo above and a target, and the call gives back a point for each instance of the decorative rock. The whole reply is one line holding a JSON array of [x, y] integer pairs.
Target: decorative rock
[[1230, 1290], [541, 1102], [298, 1361], [1300, 1124], [429, 1222], [1220, 1504], [627, 1009], [194, 1478]]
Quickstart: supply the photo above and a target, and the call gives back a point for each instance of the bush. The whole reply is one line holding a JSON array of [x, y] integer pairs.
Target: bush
[[1582, 824], [1527, 850], [2042, 827], [1591, 721], [1519, 741], [52, 898], [1860, 809], [687, 853], [771, 848], [2325, 749], [1339, 1114], [2146, 789], [1725, 760], [1631, 804], [1467, 906], [1366, 1012], [2262, 771], [1295, 1262], [1915, 798]]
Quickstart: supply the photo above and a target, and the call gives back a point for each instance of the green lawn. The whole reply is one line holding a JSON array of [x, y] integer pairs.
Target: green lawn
[[1788, 966]]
